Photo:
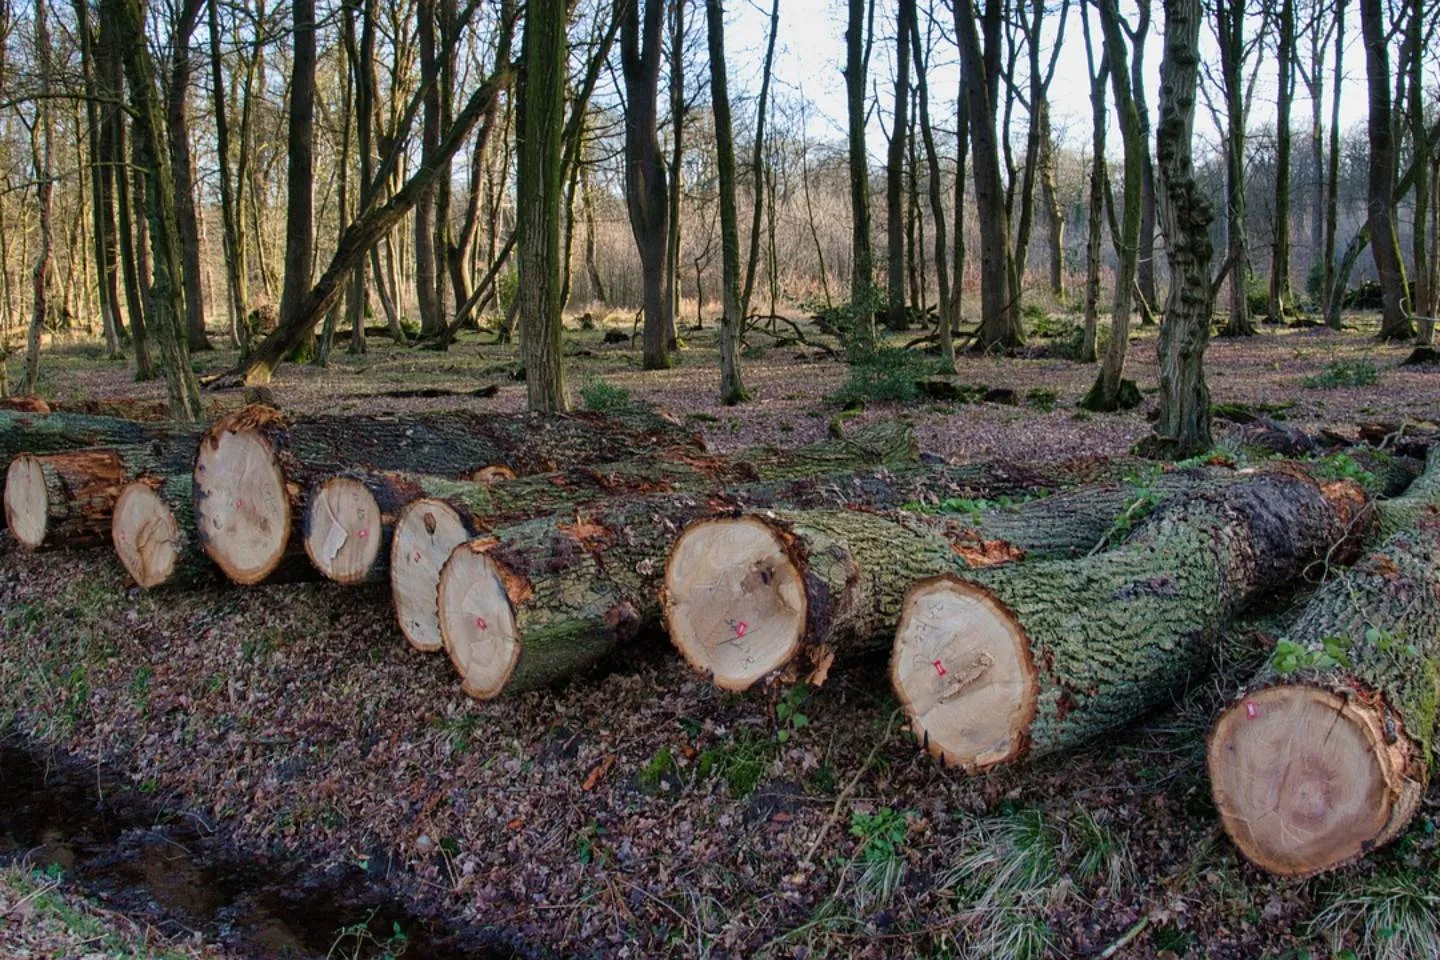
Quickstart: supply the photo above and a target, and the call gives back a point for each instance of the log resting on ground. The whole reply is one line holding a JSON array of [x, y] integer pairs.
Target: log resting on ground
[[153, 531], [428, 530], [747, 596], [350, 519], [254, 466], [1019, 661], [24, 432], [67, 499], [1326, 754]]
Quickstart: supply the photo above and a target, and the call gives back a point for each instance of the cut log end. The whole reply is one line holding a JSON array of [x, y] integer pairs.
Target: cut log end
[[425, 535], [735, 601], [961, 667], [477, 622], [1304, 780], [343, 530], [145, 534], [27, 501], [242, 508]]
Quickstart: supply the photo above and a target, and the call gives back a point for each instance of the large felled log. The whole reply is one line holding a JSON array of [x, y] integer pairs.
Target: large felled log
[[35, 433], [254, 466], [1022, 660], [66, 499], [428, 530], [747, 596], [1325, 756], [350, 519]]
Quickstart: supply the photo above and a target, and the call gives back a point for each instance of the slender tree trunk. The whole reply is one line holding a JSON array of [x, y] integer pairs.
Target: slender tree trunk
[[426, 272], [231, 231], [103, 232], [1145, 252], [540, 188], [41, 136], [131, 260], [862, 258], [1054, 211], [1230, 30], [1384, 237], [1183, 428], [592, 270], [645, 174], [299, 219], [732, 388], [757, 163], [1280, 296], [962, 154], [895, 316], [999, 284], [1423, 306], [178, 124], [1332, 176], [677, 155], [937, 205], [166, 298], [1099, 76]]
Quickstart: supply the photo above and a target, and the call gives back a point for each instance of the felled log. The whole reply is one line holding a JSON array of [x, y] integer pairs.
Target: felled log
[[153, 532], [428, 530], [996, 665], [350, 518], [37, 433], [749, 595], [254, 466], [1326, 754], [66, 499]]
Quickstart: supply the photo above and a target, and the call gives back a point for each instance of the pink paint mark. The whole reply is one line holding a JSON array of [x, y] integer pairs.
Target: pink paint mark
[[417, 556], [741, 627], [940, 668], [480, 622], [363, 533], [1251, 711], [240, 504]]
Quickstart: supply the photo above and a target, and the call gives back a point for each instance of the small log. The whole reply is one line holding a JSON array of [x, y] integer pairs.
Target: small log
[[1326, 754], [66, 499], [1018, 661], [351, 518], [746, 596], [153, 531], [254, 466]]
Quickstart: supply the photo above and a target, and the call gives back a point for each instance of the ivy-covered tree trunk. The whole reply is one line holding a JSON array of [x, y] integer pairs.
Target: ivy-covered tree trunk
[[1384, 236], [1183, 427], [732, 389], [126, 21], [539, 191]]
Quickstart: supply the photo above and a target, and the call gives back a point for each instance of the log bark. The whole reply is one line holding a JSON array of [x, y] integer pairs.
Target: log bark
[[748, 596], [994, 666], [351, 518], [1326, 754], [40, 433], [254, 466], [67, 499]]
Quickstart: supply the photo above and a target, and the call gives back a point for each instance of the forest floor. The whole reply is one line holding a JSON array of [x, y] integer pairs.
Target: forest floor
[[638, 812]]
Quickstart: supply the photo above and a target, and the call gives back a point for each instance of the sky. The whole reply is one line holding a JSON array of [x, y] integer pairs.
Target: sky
[[810, 52]]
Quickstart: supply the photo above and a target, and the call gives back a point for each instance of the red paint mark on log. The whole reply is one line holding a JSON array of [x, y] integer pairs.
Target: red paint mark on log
[[940, 668], [1251, 711]]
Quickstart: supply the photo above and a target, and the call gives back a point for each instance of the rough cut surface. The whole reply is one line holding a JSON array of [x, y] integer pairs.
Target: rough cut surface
[[1327, 753], [1110, 636], [154, 535]]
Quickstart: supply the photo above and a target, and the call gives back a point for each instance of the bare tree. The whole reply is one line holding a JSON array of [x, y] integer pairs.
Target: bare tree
[[42, 135], [944, 328], [857, 60], [1384, 237], [732, 388], [1280, 296], [177, 117]]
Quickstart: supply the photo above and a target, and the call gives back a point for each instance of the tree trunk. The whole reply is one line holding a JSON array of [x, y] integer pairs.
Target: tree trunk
[[732, 321], [862, 259], [1423, 306], [299, 218], [1384, 236], [1111, 391], [230, 221], [101, 198], [178, 129], [1331, 295], [426, 272], [994, 666], [253, 468], [948, 318], [1325, 756], [757, 164], [645, 175], [895, 316], [1183, 428], [1000, 326], [1280, 296], [126, 20], [1230, 32], [1145, 252], [1099, 187], [540, 187]]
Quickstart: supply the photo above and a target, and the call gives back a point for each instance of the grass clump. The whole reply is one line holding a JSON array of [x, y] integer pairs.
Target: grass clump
[[1393, 915], [881, 853], [887, 373], [1344, 373], [599, 396]]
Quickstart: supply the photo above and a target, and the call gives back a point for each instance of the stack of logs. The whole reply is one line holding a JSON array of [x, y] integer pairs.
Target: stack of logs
[[529, 548]]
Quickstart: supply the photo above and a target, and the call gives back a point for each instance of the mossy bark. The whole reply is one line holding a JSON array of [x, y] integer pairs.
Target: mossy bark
[[1115, 635], [23, 432]]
